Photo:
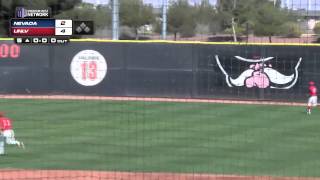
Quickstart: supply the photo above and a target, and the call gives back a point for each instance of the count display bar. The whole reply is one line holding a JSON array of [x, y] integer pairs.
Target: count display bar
[[41, 40]]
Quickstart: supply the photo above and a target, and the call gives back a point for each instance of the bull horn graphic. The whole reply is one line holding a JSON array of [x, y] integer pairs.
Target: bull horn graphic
[[223, 71]]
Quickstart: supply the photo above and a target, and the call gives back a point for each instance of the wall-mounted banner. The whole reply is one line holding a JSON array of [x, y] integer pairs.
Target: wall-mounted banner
[[88, 67]]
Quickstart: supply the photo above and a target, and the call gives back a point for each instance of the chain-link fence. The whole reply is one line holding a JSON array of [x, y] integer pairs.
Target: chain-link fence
[[128, 110]]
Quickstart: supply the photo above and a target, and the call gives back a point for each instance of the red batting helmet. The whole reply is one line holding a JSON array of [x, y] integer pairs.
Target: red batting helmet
[[311, 83]]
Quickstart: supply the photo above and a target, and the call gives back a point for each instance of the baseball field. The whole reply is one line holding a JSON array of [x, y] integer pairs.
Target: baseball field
[[166, 137]]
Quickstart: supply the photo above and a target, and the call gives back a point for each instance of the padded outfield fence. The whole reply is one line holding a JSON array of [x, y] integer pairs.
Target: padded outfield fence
[[118, 119], [161, 69]]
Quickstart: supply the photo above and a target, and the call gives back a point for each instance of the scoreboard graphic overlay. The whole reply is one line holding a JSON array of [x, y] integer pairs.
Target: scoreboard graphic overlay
[[41, 30], [35, 26]]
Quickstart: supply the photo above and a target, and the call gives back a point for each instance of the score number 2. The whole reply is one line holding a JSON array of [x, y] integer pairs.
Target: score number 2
[[89, 70]]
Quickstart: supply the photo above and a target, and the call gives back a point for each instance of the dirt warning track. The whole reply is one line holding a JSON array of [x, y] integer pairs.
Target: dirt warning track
[[20, 174]]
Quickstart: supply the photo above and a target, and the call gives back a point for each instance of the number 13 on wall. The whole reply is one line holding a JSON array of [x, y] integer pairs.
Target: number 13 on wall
[[88, 67], [89, 70]]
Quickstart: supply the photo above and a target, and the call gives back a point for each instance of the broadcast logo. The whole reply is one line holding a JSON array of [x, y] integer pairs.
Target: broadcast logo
[[21, 12]]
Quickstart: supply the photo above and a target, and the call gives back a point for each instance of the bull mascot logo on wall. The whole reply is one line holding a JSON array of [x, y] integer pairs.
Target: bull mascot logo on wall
[[261, 74]]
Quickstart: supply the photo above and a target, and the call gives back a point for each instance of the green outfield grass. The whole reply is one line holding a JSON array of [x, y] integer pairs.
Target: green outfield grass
[[164, 137]]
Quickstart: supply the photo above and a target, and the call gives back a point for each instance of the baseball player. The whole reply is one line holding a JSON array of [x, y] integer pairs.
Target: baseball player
[[7, 131], [313, 98]]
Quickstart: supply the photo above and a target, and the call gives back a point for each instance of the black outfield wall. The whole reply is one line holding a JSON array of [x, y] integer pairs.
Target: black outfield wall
[[161, 70]]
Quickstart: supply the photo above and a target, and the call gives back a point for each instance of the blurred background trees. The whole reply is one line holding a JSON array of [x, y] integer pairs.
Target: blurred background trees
[[135, 14], [234, 18]]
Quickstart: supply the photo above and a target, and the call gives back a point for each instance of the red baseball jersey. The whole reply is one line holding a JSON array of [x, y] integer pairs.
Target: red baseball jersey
[[312, 90], [5, 123]]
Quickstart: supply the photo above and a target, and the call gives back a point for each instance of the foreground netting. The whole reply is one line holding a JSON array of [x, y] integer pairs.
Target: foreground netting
[[164, 110], [78, 137]]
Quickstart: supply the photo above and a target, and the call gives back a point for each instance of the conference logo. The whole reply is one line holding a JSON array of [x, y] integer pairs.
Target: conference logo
[[261, 74], [21, 12], [88, 67]]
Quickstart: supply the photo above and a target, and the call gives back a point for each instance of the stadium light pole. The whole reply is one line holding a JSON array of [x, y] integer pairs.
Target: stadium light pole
[[164, 18], [115, 19], [233, 23]]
